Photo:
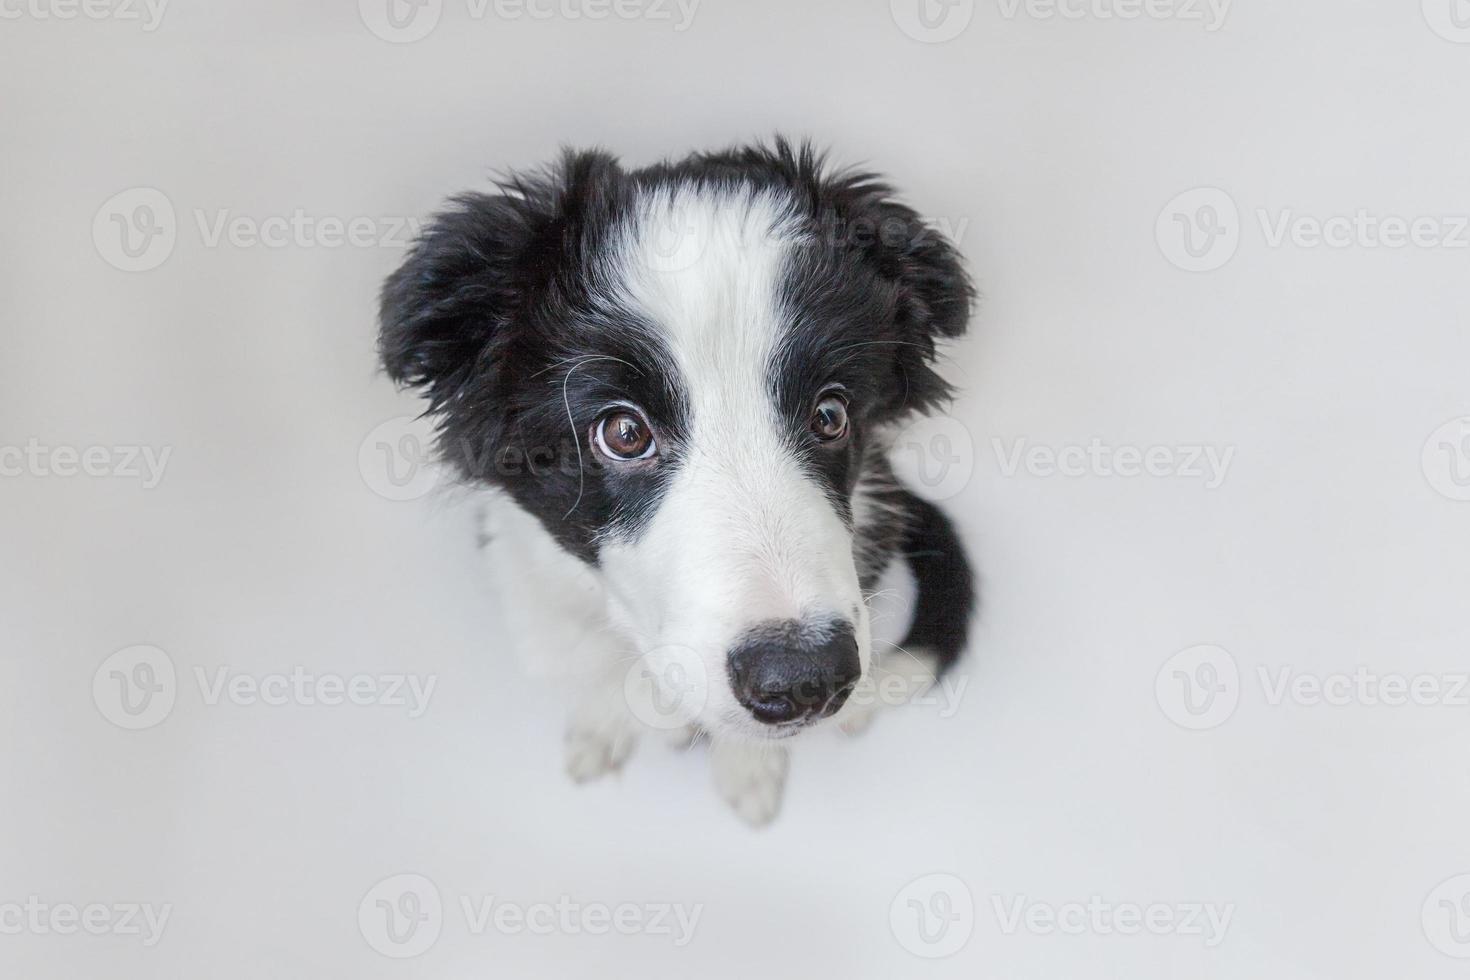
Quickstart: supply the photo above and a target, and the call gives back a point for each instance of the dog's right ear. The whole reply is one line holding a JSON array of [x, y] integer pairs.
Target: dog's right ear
[[470, 273]]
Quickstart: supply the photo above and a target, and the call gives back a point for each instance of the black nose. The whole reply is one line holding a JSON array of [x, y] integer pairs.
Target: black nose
[[794, 670]]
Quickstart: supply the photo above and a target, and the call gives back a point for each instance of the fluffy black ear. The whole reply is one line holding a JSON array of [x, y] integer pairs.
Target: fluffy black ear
[[932, 292], [468, 276], [936, 288], [456, 288], [935, 293]]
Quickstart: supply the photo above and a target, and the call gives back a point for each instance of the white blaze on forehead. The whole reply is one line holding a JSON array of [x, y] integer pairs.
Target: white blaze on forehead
[[705, 266]]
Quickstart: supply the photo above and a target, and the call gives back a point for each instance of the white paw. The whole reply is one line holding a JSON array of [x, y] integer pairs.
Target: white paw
[[594, 752], [751, 778]]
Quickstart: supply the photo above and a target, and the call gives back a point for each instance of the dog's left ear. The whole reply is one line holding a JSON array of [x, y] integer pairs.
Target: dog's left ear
[[936, 291], [449, 315], [456, 289], [471, 273], [933, 292]]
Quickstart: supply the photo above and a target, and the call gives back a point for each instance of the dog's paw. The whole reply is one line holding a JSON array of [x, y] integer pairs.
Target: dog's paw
[[751, 778], [594, 752]]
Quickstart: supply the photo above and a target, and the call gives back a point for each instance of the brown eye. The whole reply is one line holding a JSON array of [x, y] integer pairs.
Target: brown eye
[[623, 435], [829, 419]]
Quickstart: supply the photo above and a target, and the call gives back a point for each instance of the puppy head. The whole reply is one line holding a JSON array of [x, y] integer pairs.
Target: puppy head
[[680, 371]]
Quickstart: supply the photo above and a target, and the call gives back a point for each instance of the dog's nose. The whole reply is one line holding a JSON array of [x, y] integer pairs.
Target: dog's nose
[[792, 671]]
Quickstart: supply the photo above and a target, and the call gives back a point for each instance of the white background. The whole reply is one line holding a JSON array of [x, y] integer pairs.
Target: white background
[[1055, 145]]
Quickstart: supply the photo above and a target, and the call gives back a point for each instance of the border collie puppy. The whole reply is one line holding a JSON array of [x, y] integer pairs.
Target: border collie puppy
[[679, 385]]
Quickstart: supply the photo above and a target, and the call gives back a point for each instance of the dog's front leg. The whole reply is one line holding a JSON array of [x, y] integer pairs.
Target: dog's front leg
[[751, 777], [601, 732]]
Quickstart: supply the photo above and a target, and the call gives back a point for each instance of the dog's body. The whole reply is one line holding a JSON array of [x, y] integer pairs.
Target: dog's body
[[681, 383]]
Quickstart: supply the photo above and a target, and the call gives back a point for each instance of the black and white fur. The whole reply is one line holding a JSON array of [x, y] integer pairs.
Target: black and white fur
[[719, 298]]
